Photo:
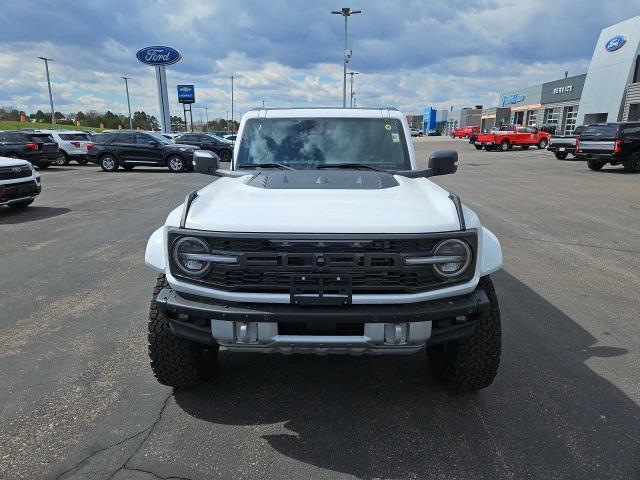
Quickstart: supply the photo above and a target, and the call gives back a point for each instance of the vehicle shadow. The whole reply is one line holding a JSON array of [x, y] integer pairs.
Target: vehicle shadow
[[548, 415], [11, 216]]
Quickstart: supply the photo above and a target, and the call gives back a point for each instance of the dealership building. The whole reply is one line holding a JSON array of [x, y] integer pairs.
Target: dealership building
[[608, 92]]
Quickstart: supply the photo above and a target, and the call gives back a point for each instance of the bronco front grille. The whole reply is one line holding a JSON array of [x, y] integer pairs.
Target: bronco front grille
[[372, 264]]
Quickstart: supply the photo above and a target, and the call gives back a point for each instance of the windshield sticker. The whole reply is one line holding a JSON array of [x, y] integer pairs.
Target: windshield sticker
[[395, 137], [387, 127]]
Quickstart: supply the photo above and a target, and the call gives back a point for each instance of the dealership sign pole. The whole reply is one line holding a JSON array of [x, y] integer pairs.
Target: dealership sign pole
[[159, 57], [187, 96]]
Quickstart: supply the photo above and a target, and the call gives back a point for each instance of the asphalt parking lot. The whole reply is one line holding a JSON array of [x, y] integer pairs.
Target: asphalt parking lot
[[79, 400]]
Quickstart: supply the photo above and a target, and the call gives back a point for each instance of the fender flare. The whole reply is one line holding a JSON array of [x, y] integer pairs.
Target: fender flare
[[154, 255], [491, 255]]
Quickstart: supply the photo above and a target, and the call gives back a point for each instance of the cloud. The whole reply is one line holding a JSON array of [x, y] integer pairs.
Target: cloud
[[410, 54]]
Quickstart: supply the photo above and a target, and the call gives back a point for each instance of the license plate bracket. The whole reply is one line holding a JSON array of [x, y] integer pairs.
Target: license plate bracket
[[321, 289]]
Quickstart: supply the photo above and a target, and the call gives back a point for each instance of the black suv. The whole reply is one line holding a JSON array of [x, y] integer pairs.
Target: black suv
[[207, 141], [613, 143], [37, 148], [128, 149]]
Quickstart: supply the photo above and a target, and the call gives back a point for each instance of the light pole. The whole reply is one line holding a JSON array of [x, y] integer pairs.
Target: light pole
[[206, 113], [227, 120], [126, 86], [231, 101], [351, 95], [346, 12], [46, 67]]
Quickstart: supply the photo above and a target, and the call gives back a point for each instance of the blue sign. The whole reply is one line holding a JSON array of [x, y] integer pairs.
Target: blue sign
[[512, 99], [158, 55], [186, 94], [615, 43]]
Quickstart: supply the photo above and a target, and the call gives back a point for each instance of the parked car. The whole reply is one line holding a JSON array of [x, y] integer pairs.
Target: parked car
[[39, 149], [71, 145], [129, 149], [19, 182], [207, 141], [612, 143], [231, 138], [222, 133], [563, 145], [287, 253], [510, 136], [464, 132], [416, 132]]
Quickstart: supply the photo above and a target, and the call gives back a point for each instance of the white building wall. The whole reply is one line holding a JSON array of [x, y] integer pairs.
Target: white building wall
[[610, 72]]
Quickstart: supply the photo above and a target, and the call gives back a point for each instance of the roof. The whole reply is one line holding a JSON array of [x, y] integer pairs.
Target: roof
[[319, 112]]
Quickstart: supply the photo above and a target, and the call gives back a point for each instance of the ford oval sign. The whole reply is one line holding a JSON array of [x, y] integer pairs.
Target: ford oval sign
[[615, 43], [158, 55]]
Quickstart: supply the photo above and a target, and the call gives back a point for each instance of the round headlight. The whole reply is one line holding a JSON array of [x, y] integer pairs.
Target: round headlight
[[187, 255], [456, 258]]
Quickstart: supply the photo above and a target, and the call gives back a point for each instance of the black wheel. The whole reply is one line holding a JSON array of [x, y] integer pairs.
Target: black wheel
[[525, 147], [632, 164], [176, 362], [176, 164], [108, 163], [82, 160], [62, 160], [225, 155], [472, 363], [561, 155], [478, 147], [420, 134], [504, 145], [24, 204], [128, 167], [595, 164], [543, 144]]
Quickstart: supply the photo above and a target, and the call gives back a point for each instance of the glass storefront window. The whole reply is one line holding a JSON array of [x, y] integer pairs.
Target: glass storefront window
[[551, 116], [570, 124], [532, 118]]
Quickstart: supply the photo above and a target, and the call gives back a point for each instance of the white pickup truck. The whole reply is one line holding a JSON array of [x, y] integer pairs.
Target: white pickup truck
[[324, 237]]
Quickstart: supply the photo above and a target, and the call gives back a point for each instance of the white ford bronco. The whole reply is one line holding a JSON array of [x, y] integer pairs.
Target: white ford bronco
[[324, 237]]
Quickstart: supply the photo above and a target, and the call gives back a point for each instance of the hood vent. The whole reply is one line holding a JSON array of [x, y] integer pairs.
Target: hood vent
[[323, 180]]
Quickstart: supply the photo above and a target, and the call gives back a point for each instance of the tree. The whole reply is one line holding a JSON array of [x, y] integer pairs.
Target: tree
[[59, 115], [40, 116]]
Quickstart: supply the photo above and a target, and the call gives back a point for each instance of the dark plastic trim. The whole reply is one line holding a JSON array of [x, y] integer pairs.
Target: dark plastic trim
[[187, 205], [458, 204]]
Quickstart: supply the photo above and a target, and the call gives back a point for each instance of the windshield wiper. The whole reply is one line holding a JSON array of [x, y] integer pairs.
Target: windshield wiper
[[266, 165], [351, 165]]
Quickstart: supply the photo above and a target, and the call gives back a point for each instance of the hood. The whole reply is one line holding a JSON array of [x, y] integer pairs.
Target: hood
[[323, 202], [12, 162]]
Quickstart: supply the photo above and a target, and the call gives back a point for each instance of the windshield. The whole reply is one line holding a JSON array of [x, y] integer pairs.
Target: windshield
[[82, 137], [310, 142], [160, 139]]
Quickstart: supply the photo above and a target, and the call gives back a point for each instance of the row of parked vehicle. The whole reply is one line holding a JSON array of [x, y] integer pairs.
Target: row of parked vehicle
[[614, 143], [22, 150]]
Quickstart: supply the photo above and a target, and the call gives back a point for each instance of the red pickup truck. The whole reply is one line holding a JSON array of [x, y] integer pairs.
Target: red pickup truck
[[512, 135], [464, 132]]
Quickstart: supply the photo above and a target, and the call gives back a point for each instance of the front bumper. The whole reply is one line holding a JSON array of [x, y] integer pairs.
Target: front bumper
[[19, 192], [386, 329]]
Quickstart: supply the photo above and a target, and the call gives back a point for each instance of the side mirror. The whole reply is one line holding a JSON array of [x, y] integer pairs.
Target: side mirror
[[153, 143], [205, 162], [443, 162]]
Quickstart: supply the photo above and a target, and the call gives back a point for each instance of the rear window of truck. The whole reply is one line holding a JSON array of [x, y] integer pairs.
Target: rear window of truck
[[601, 130]]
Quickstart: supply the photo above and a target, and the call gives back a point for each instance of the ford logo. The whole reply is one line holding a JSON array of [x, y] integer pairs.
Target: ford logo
[[16, 169], [158, 55], [615, 43]]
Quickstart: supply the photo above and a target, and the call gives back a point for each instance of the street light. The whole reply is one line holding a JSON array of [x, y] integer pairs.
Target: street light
[[46, 67], [351, 96], [126, 86], [346, 12], [231, 101]]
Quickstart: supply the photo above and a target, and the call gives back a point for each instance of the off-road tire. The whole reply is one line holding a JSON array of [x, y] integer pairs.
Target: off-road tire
[[471, 363], [24, 204], [632, 164], [595, 164], [478, 147], [504, 145], [561, 155], [176, 362]]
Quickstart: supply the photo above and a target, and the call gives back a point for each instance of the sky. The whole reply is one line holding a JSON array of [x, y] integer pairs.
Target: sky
[[410, 54]]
